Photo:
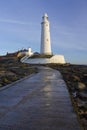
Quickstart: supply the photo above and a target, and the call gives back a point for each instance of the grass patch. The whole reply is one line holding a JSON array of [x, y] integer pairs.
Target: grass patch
[[40, 56]]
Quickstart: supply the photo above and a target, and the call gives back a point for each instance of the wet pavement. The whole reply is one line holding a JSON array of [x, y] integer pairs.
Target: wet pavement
[[40, 102]]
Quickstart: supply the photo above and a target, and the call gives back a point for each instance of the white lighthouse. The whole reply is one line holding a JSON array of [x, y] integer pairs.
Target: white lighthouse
[[45, 36], [45, 48]]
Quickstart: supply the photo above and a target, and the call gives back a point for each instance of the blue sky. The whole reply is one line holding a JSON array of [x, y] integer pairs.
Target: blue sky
[[20, 26]]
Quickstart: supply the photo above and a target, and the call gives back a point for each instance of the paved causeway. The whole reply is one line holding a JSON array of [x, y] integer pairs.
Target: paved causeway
[[40, 102]]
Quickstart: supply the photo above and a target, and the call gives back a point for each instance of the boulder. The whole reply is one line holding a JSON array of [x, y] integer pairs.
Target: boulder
[[76, 78], [81, 86]]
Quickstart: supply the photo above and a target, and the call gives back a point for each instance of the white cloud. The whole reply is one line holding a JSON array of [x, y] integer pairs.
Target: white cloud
[[15, 22]]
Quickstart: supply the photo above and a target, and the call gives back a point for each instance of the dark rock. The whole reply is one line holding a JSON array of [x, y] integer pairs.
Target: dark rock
[[76, 78]]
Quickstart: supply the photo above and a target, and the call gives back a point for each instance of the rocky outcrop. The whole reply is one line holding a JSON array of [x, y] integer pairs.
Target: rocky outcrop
[[75, 77]]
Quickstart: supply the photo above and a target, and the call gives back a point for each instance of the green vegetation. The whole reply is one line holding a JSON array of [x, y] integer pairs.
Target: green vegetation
[[40, 56]]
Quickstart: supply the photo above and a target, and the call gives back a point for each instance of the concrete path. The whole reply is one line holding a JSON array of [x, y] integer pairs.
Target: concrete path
[[40, 102]]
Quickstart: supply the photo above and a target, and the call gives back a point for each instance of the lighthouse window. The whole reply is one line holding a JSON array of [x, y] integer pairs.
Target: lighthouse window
[[47, 39], [46, 24]]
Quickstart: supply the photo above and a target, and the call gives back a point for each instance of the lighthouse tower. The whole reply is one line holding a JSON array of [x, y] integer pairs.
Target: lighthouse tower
[[45, 36], [45, 48]]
